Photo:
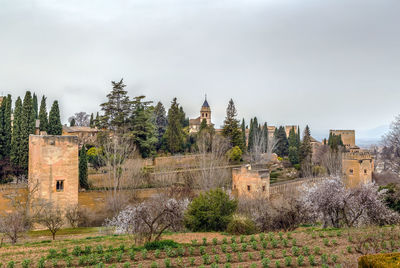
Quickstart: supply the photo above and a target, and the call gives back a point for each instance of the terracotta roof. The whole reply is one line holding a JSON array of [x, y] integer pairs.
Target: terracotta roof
[[195, 121], [79, 129]]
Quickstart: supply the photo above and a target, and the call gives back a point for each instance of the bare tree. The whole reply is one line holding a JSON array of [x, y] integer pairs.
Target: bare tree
[[151, 218], [52, 218], [212, 161], [13, 224], [391, 151], [81, 119], [271, 145], [115, 154], [259, 147], [76, 216]]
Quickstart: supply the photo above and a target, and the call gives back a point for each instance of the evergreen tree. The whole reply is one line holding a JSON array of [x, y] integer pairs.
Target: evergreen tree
[[17, 137], [83, 169], [7, 130], [161, 122], [116, 109], [335, 142], [174, 135], [97, 120], [231, 126], [91, 121], [306, 148], [142, 128], [293, 147], [72, 123], [2, 130], [55, 126], [266, 136], [44, 121], [27, 128], [184, 120], [243, 127], [282, 144], [203, 125], [251, 136], [35, 105]]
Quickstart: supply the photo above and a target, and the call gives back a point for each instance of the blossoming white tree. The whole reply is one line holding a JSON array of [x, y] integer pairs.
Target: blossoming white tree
[[337, 205], [150, 218]]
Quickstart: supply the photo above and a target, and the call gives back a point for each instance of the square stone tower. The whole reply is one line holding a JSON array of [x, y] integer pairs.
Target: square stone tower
[[53, 169], [250, 183]]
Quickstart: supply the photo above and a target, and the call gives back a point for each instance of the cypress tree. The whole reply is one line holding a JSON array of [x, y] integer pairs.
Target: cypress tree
[[174, 135], [35, 105], [44, 121], [16, 141], [203, 125], [83, 169], [7, 126], [72, 123], [306, 148], [27, 128], [282, 144], [91, 121], [266, 136], [55, 126], [243, 127], [251, 136], [97, 120], [231, 126], [161, 122], [2, 131], [293, 147]]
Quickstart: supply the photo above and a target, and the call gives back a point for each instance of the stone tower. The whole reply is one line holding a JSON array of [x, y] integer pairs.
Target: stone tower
[[205, 112], [53, 169]]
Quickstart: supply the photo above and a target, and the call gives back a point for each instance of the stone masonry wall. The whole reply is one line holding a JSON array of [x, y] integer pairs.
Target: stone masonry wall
[[52, 159]]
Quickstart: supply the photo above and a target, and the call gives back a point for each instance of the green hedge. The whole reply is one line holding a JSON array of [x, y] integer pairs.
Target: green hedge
[[379, 260]]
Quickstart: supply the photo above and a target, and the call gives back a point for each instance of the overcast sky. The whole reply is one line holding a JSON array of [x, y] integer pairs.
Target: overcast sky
[[329, 64]]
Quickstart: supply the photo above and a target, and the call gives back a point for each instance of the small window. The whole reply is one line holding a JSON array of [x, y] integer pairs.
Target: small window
[[365, 171], [351, 171], [263, 188], [60, 186], [234, 186], [206, 114], [202, 115], [248, 188]]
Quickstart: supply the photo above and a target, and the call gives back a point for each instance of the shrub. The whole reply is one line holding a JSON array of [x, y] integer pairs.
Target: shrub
[[68, 261], [192, 261], [265, 262], [317, 250], [235, 154], [224, 240], [42, 262], [233, 239], [240, 257], [244, 247], [288, 261], [300, 260], [202, 250], [204, 241], [153, 264], [157, 253], [144, 254], [324, 258], [167, 263], [326, 242], [254, 245], [206, 259], [295, 251], [26, 263], [311, 260], [128, 265], [52, 254], [215, 241], [216, 258], [277, 264], [77, 251], [251, 256], [223, 248], [227, 265], [228, 257], [334, 258], [241, 225], [108, 256], [210, 211], [162, 244], [349, 249], [132, 254]]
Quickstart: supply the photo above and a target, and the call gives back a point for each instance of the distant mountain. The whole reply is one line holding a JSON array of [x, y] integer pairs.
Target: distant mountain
[[367, 137]]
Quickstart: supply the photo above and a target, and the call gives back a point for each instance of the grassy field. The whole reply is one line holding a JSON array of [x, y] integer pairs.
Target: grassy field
[[304, 247]]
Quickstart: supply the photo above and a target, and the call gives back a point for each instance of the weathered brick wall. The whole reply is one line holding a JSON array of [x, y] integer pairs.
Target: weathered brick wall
[[52, 159]]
